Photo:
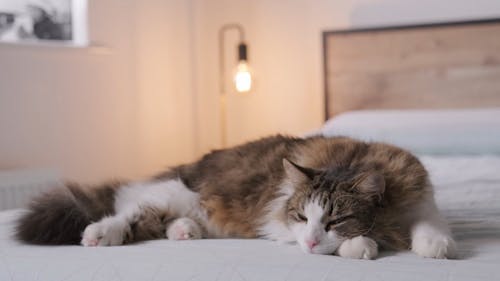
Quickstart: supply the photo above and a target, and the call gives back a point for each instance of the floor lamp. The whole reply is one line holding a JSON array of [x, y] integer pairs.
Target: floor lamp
[[242, 77]]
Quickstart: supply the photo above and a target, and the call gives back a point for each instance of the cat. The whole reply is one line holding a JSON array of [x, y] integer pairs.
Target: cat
[[331, 195]]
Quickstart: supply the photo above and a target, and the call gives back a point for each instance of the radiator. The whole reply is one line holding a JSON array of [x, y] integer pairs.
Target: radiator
[[17, 187]]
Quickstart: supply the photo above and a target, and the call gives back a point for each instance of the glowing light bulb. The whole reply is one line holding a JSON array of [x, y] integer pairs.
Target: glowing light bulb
[[243, 77]]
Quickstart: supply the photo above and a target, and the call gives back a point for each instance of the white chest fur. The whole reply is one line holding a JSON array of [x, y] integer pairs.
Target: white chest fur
[[273, 226]]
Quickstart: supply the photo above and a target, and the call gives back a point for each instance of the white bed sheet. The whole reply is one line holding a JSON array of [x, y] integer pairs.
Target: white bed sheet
[[467, 190]]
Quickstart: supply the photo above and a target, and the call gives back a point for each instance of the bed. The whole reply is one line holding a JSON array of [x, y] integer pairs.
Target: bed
[[468, 192], [464, 170]]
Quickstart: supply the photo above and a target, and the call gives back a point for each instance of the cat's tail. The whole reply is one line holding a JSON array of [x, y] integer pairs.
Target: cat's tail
[[59, 216]]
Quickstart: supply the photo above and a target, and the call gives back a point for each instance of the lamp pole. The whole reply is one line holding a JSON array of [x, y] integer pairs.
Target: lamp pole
[[222, 74]]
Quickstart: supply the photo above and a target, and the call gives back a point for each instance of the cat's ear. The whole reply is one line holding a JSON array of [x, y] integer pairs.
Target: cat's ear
[[371, 184], [298, 173]]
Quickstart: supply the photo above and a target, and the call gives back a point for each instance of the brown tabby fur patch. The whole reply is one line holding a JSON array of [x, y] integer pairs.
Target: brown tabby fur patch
[[151, 224], [236, 184]]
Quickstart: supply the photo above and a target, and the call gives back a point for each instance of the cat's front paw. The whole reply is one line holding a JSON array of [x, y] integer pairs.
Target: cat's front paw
[[107, 232], [438, 246], [184, 229], [359, 247]]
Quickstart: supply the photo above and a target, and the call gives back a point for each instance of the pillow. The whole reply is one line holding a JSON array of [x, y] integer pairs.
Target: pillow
[[465, 131]]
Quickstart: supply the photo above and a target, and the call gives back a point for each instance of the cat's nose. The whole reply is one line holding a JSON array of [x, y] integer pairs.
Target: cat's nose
[[311, 243]]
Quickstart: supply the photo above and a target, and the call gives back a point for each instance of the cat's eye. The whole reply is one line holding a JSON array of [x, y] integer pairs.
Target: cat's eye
[[333, 223], [337, 222], [301, 217]]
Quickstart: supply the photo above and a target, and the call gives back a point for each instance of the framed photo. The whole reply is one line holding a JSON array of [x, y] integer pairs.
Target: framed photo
[[44, 22]]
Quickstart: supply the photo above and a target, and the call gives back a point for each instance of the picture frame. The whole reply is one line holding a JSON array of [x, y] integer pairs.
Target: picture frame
[[44, 22]]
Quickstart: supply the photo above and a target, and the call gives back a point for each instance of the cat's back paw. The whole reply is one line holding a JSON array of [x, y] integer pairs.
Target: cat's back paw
[[359, 247], [184, 229], [107, 232]]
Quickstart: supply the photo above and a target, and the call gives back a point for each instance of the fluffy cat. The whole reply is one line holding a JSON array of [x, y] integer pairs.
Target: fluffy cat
[[329, 195]]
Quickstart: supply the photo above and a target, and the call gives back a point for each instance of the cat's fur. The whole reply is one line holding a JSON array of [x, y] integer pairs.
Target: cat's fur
[[330, 195]]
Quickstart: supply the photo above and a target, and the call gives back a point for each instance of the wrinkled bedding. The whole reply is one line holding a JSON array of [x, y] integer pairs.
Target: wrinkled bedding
[[467, 192]]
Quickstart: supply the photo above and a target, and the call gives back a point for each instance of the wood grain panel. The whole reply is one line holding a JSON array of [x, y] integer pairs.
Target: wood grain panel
[[430, 66]]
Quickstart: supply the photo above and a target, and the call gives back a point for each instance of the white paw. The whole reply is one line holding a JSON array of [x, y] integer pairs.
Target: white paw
[[438, 246], [183, 229], [109, 231], [359, 247]]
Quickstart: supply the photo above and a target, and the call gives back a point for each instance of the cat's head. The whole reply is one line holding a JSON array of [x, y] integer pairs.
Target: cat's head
[[329, 206]]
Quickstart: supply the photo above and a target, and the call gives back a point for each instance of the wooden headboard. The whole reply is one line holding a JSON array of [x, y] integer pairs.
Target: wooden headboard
[[445, 65]]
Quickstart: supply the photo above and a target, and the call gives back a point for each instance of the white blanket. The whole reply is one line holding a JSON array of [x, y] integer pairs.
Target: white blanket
[[467, 190]]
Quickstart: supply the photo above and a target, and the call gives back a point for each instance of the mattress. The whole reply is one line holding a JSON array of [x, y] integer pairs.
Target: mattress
[[467, 191]]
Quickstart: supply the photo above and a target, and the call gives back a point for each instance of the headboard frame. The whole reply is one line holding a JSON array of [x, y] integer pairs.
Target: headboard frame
[[441, 65]]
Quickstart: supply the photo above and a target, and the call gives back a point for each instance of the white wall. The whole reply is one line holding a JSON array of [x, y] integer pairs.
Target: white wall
[[285, 41], [92, 114]]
